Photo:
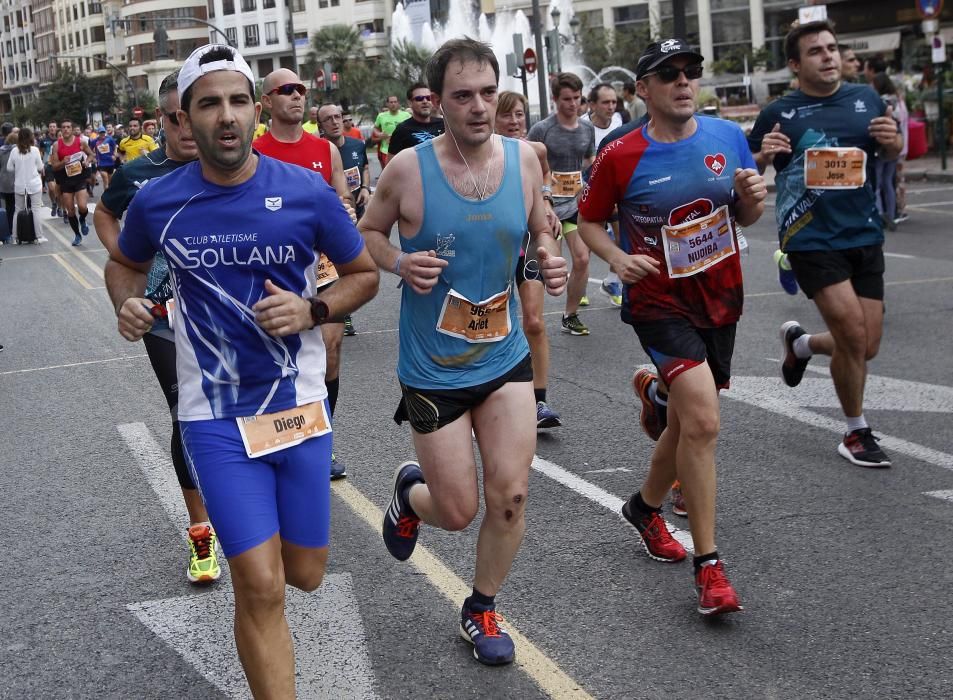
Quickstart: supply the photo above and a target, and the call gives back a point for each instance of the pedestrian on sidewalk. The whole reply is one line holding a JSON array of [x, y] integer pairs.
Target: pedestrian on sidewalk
[[26, 165]]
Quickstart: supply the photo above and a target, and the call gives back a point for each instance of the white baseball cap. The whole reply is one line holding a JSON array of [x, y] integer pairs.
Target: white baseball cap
[[192, 70]]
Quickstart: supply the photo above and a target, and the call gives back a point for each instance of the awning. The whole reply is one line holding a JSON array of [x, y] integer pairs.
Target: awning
[[872, 43]]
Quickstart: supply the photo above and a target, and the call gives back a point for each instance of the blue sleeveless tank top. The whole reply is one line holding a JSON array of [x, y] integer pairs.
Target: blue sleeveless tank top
[[481, 242]]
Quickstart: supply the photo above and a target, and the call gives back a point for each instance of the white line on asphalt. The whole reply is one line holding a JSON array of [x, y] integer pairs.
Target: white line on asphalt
[[928, 189], [942, 495], [926, 205], [156, 463], [900, 255], [608, 471], [539, 667], [73, 364], [598, 495]]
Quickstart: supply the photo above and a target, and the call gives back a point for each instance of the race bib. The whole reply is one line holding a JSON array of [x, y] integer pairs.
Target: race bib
[[324, 271], [353, 178], [103, 148], [485, 321], [272, 432], [697, 245], [567, 184], [73, 169], [835, 168]]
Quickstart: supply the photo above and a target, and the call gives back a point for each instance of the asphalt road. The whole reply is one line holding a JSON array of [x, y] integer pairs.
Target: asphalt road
[[844, 572]]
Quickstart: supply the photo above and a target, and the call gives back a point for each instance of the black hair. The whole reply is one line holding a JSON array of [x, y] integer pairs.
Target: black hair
[[792, 47], [416, 86], [594, 93]]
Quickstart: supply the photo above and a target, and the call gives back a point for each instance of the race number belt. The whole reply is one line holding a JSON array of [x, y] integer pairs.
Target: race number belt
[[835, 168], [697, 245], [486, 321], [103, 148], [567, 184], [271, 432], [353, 178], [324, 271]]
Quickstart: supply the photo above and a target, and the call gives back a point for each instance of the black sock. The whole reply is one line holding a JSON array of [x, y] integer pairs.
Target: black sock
[[698, 561], [405, 507], [74, 224], [82, 218], [477, 601], [637, 504], [333, 386], [540, 394]]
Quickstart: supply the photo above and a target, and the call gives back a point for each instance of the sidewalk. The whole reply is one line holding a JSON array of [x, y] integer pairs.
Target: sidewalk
[[924, 168]]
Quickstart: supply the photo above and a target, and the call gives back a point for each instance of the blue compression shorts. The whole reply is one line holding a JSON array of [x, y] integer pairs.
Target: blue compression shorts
[[250, 499]]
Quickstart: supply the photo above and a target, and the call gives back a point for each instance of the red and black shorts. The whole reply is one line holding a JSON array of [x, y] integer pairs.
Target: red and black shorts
[[675, 345]]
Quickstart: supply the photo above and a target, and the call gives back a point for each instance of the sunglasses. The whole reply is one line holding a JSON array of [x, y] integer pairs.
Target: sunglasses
[[669, 74], [421, 98], [173, 119], [289, 88]]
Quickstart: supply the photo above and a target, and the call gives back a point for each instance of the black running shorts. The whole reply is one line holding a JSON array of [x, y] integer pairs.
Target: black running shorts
[[675, 345], [428, 410], [864, 267]]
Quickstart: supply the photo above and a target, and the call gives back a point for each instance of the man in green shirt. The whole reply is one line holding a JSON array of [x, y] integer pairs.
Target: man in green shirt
[[384, 126]]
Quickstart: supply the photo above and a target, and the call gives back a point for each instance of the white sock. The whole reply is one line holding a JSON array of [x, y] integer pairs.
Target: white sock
[[612, 278], [858, 423], [802, 347]]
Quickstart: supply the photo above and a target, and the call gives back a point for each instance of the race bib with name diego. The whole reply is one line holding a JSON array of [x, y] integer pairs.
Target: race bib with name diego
[[272, 432], [486, 321], [697, 245]]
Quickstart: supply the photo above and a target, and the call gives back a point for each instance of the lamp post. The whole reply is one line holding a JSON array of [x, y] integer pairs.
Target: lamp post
[[537, 29], [554, 42], [117, 21]]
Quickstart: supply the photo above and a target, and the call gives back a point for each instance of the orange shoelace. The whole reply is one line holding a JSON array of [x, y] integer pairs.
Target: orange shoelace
[[407, 526]]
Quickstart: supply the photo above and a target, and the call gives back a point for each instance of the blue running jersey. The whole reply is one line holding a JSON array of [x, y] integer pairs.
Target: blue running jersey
[[221, 244], [813, 219], [481, 242]]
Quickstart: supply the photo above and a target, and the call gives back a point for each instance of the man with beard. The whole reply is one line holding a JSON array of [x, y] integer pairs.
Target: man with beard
[[422, 125], [240, 233], [681, 184]]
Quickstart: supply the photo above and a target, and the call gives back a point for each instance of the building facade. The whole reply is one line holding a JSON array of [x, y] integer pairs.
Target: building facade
[[20, 79]]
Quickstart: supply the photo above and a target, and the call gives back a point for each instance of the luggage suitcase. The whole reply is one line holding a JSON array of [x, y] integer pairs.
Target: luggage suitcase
[[4, 226], [25, 224]]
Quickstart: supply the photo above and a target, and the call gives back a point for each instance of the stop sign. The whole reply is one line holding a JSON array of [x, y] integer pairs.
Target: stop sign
[[529, 61], [319, 79]]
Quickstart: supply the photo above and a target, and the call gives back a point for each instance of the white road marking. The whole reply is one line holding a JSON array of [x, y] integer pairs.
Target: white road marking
[[926, 205], [600, 496], [331, 657], [942, 495], [900, 255], [608, 471], [73, 364]]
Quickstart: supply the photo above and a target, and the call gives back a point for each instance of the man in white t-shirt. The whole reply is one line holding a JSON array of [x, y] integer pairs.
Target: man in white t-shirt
[[602, 114]]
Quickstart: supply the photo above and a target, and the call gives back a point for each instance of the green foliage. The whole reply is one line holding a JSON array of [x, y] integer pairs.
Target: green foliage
[[733, 60], [606, 47], [71, 96]]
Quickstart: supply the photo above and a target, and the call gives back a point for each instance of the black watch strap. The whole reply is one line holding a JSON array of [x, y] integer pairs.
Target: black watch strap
[[320, 313]]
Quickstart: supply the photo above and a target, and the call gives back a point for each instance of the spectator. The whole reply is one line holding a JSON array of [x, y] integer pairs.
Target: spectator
[[6, 177], [26, 165], [633, 102], [885, 170]]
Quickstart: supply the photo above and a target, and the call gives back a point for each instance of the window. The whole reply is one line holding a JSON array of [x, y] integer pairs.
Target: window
[[19, 18], [228, 7], [265, 66], [95, 8], [211, 9], [82, 9], [232, 34], [268, 4], [85, 37], [271, 32], [98, 33], [22, 48], [251, 35], [75, 13], [297, 5], [249, 5]]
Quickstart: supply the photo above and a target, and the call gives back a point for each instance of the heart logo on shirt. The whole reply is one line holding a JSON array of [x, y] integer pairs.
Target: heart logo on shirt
[[716, 163]]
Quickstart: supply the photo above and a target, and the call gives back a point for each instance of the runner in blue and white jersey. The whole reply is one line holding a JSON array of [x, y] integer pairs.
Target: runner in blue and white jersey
[[240, 233]]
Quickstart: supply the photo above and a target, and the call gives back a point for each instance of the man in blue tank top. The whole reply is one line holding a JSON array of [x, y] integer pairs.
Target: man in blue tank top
[[464, 362], [823, 140]]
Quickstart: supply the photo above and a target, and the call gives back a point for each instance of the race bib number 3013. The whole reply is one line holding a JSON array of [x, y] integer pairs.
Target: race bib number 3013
[[271, 432], [835, 168], [697, 245]]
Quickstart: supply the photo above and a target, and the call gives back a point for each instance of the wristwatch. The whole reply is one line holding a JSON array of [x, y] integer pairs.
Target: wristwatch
[[320, 313]]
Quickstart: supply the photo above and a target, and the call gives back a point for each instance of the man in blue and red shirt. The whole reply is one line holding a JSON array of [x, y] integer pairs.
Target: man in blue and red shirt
[[681, 183]]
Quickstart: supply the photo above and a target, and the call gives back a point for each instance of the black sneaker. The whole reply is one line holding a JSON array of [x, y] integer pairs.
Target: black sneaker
[[572, 325], [792, 366], [401, 526], [349, 326], [860, 447]]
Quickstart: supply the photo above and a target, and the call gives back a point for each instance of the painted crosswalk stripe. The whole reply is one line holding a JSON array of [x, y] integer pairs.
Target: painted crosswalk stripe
[[942, 495]]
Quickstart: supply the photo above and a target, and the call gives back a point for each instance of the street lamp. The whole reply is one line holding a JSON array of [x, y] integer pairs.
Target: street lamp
[[574, 26], [554, 41]]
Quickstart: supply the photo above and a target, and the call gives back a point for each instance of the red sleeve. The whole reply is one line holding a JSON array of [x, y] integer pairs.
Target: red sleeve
[[600, 195]]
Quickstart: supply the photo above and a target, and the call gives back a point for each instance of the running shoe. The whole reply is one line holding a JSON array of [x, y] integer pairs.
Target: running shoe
[[792, 366], [901, 218], [583, 300], [203, 560], [65, 219], [401, 526], [573, 326], [613, 290], [84, 228], [349, 326], [546, 417], [656, 539], [77, 239], [484, 629], [785, 273], [338, 470], [860, 447], [678, 501], [649, 417], [54, 212], [716, 595]]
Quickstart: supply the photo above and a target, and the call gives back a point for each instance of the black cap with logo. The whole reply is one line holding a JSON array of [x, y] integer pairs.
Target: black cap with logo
[[658, 52]]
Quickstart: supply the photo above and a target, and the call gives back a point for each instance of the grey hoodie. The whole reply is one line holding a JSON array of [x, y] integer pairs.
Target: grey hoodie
[[6, 176]]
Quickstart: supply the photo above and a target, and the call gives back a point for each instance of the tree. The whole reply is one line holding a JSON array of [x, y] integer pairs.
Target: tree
[[338, 44], [613, 47], [733, 60]]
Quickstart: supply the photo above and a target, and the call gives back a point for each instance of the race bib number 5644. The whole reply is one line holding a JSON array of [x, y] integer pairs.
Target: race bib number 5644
[[697, 245]]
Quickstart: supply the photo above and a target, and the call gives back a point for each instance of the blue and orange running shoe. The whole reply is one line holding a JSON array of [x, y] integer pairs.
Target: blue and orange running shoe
[[401, 526], [492, 645]]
